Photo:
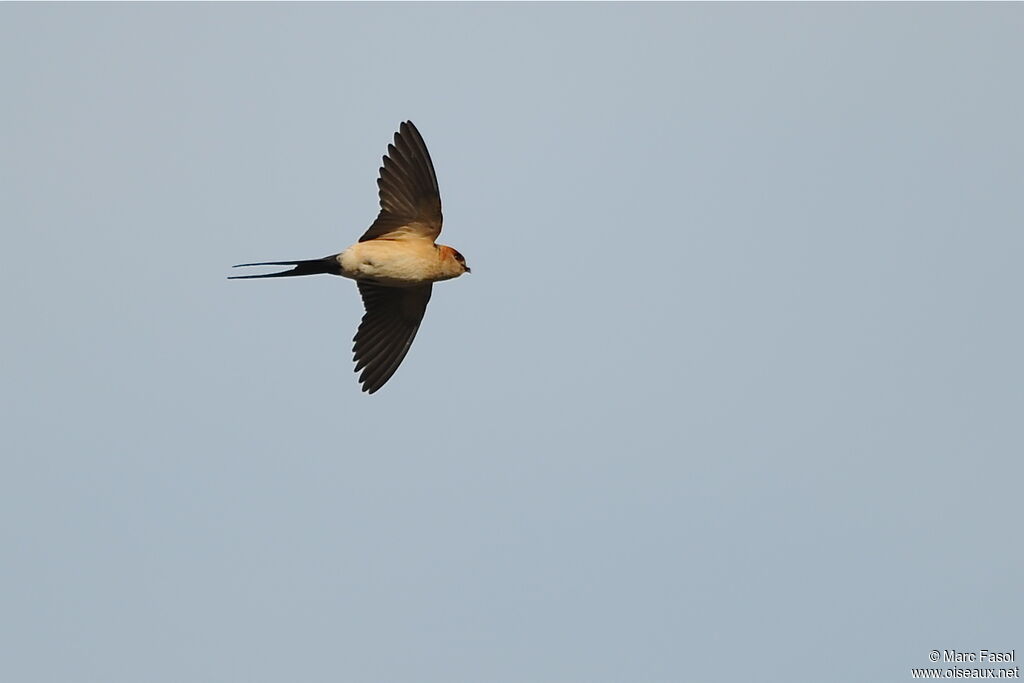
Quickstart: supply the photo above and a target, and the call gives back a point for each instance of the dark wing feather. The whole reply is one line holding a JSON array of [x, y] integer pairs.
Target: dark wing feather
[[392, 318], [410, 202]]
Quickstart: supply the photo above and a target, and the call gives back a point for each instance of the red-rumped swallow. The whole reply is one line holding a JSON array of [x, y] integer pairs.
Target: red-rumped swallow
[[395, 263]]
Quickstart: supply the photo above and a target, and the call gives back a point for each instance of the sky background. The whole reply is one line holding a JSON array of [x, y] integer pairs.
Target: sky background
[[734, 391]]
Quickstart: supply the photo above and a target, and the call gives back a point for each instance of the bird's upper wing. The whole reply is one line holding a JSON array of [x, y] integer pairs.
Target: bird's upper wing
[[410, 203], [392, 317]]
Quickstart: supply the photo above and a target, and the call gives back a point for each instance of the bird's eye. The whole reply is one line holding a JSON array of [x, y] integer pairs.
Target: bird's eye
[[459, 257]]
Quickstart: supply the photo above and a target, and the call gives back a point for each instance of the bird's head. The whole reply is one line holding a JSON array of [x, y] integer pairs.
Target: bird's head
[[455, 262]]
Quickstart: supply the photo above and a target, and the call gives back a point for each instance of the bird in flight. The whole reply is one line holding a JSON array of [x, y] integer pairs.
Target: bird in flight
[[395, 263]]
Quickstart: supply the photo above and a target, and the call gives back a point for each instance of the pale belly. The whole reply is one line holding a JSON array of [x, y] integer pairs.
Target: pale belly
[[392, 263]]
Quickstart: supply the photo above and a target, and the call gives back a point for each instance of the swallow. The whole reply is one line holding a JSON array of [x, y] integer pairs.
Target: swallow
[[395, 263]]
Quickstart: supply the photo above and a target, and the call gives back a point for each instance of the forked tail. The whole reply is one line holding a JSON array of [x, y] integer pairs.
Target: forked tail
[[317, 266]]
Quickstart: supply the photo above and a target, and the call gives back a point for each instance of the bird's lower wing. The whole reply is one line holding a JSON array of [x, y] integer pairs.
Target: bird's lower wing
[[392, 318]]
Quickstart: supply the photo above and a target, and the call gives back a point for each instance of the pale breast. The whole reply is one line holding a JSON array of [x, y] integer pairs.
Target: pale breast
[[391, 262]]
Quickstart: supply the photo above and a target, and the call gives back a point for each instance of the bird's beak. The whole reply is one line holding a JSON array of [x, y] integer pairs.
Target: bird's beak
[[468, 270]]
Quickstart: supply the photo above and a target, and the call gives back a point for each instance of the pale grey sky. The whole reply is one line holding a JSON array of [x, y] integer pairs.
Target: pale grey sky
[[734, 391]]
